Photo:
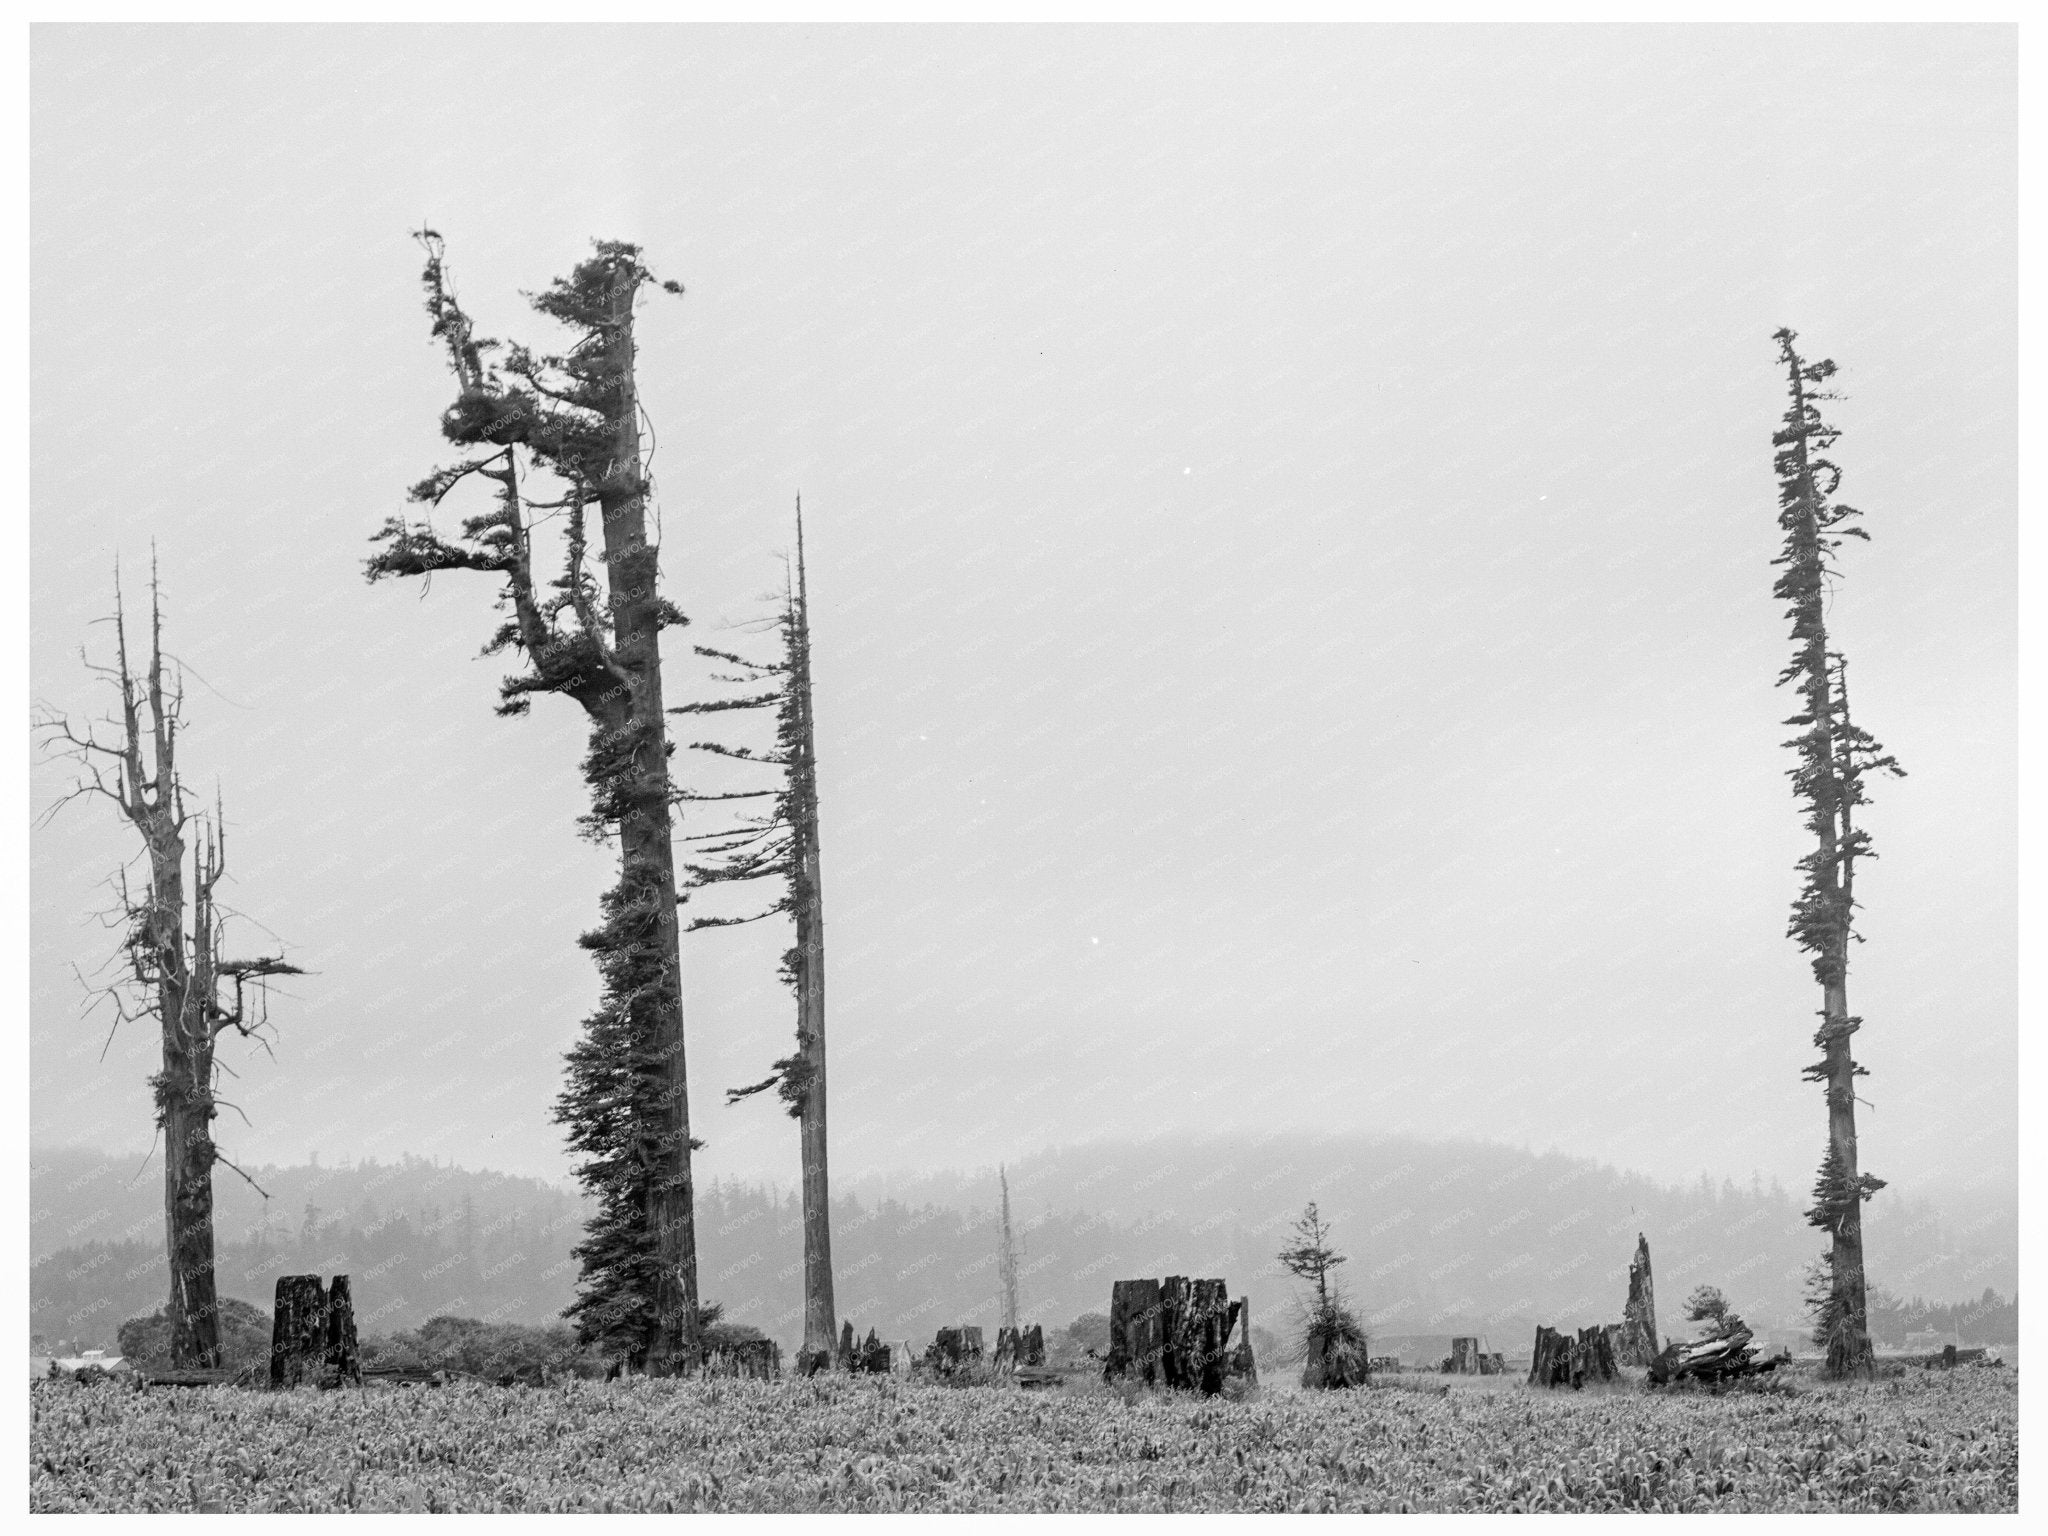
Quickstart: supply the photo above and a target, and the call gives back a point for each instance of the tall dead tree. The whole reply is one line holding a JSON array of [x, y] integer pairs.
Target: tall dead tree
[[1008, 1258], [575, 417], [173, 968], [1834, 757], [783, 845]]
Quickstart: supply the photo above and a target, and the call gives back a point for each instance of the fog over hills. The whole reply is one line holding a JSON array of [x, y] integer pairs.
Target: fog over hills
[[1443, 1237]]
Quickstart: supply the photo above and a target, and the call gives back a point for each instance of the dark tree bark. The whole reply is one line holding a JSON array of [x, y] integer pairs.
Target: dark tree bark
[[1592, 1356], [343, 1357], [1638, 1345], [298, 1331], [1834, 757], [1174, 1333], [174, 970], [1550, 1362]]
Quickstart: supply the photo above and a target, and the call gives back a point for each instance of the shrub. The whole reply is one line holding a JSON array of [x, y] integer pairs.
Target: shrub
[[244, 1337]]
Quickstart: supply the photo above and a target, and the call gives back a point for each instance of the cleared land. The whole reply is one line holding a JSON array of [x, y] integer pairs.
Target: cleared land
[[1930, 1440]]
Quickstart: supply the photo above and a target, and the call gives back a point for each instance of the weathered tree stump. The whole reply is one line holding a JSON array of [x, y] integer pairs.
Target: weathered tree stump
[[298, 1331], [342, 1356], [1638, 1342], [1464, 1357], [1550, 1364], [953, 1350], [1031, 1347], [1242, 1362], [1173, 1333], [1592, 1357], [843, 1359], [1135, 1333]]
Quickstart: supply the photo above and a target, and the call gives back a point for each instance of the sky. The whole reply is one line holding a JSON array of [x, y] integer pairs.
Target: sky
[[1289, 517]]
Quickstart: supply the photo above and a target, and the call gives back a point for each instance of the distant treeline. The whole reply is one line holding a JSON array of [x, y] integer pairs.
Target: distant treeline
[[1442, 1238]]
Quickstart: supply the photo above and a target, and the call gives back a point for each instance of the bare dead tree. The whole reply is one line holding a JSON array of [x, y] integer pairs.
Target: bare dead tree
[[784, 844], [172, 964]]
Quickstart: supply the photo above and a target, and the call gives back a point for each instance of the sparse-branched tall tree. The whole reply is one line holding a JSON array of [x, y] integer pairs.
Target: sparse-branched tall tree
[[782, 844], [575, 417], [172, 964], [1312, 1258], [1835, 756]]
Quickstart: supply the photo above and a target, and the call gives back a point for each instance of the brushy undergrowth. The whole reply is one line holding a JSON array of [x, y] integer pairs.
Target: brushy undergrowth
[[1934, 1441]]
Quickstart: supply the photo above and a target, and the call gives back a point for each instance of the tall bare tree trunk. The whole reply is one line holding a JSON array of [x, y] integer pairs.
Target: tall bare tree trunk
[[820, 1311]]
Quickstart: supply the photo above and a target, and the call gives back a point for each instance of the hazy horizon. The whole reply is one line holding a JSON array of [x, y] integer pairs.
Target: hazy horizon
[[1289, 519]]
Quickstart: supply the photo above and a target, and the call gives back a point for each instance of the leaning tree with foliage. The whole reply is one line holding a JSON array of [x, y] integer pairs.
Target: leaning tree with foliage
[[173, 965], [782, 844], [575, 417], [1835, 756]]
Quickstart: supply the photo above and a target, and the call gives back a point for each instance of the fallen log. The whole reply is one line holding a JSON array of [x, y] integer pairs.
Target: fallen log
[[1711, 1360]]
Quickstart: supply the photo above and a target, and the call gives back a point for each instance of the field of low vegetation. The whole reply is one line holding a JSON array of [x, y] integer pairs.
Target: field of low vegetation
[[1925, 1441]]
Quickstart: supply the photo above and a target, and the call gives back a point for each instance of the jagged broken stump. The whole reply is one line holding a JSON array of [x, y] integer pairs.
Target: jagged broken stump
[[1637, 1344], [1559, 1361], [313, 1333], [1176, 1333]]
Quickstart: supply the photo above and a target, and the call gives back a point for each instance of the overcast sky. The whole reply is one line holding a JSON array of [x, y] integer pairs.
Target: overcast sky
[[1289, 517]]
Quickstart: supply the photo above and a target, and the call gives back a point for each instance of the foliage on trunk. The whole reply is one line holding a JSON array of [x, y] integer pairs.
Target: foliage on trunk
[[782, 844], [1834, 757], [174, 968], [575, 416]]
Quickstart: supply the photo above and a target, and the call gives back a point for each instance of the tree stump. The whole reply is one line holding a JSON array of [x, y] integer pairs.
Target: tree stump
[[1242, 1362], [1134, 1331], [843, 1359], [1592, 1357], [1638, 1342], [342, 1356], [1464, 1357], [1550, 1364], [1005, 1360], [1172, 1333], [298, 1331], [1031, 1350], [870, 1356], [954, 1348]]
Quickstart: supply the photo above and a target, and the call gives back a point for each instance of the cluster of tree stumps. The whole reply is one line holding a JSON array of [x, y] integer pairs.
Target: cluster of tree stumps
[[1176, 1332], [1559, 1361], [953, 1350], [313, 1333], [1019, 1348], [1468, 1359]]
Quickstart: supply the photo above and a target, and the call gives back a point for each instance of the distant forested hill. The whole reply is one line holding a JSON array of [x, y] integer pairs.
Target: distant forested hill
[[1443, 1238]]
